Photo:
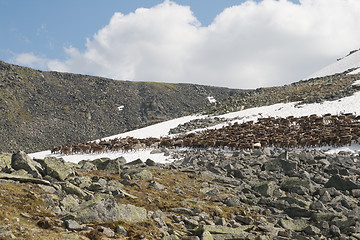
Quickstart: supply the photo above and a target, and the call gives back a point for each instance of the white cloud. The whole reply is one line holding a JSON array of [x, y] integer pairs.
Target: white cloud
[[30, 60], [247, 46]]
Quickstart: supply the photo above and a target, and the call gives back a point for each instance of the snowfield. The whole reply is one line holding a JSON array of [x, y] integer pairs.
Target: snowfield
[[349, 104], [346, 63]]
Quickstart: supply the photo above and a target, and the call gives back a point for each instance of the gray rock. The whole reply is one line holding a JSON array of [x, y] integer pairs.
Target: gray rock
[[5, 160], [150, 162], [108, 232], [69, 203], [103, 208], [341, 184], [295, 212], [294, 225], [87, 166], [266, 189], [21, 160], [23, 179], [114, 166], [70, 188], [121, 230], [73, 225], [335, 231], [292, 184], [56, 168], [137, 174], [312, 230], [101, 163], [156, 185]]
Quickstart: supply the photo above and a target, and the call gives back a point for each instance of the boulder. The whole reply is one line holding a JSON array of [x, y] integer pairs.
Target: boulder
[[100, 163], [56, 168], [294, 225], [341, 184], [70, 188], [103, 208], [5, 160], [21, 160], [114, 166], [137, 174], [266, 189]]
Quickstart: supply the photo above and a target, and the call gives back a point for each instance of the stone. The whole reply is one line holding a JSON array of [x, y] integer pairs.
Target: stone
[[355, 193], [341, 184], [69, 203], [294, 225], [24, 179], [114, 166], [5, 160], [103, 208], [70, 188], [150, 162], [311, 230], [335, 231], [317, 205], [121, 230], [135, 162], [295, 212], [156, 185], [291, 184], [73, 225], [21, 160], [218, 229], [206, 235], [266, 189], [247, 220], [101, 163], [87, 166], [108, 232], [137, 174], [56, 168]]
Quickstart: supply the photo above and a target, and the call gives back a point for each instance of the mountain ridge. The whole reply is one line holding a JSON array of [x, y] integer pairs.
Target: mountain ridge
[[43, 109]]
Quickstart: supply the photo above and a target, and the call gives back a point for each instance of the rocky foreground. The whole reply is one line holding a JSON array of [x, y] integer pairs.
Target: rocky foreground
[[204, 194]]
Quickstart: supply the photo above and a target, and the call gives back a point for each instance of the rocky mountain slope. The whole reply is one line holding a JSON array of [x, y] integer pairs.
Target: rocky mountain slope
[[205, 194], [42, 109]]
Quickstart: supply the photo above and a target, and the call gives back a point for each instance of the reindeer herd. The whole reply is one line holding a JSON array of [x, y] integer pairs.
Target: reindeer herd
[[289, 132]]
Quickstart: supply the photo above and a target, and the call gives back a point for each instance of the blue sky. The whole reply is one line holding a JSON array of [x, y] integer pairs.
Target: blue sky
[[60, 35]]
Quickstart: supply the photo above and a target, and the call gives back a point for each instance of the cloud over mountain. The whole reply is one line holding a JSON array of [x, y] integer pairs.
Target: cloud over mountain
[[246, 46]]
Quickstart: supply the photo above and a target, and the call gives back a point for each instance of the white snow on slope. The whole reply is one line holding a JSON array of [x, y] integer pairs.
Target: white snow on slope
[[348, 62]]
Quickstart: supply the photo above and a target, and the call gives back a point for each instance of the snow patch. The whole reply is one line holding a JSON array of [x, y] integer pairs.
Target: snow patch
[[344, 64], [211, 99], [356, 83]]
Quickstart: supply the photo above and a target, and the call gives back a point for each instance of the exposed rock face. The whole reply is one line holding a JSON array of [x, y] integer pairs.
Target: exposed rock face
[[44, 109]]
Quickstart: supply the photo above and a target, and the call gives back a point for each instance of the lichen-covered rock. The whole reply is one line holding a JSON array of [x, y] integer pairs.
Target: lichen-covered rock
[[294, 225], [103, 208], [137, 174], [56, 168], [5, 160], [341, 184], [21, 160], [266, 189], [70, 188]]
